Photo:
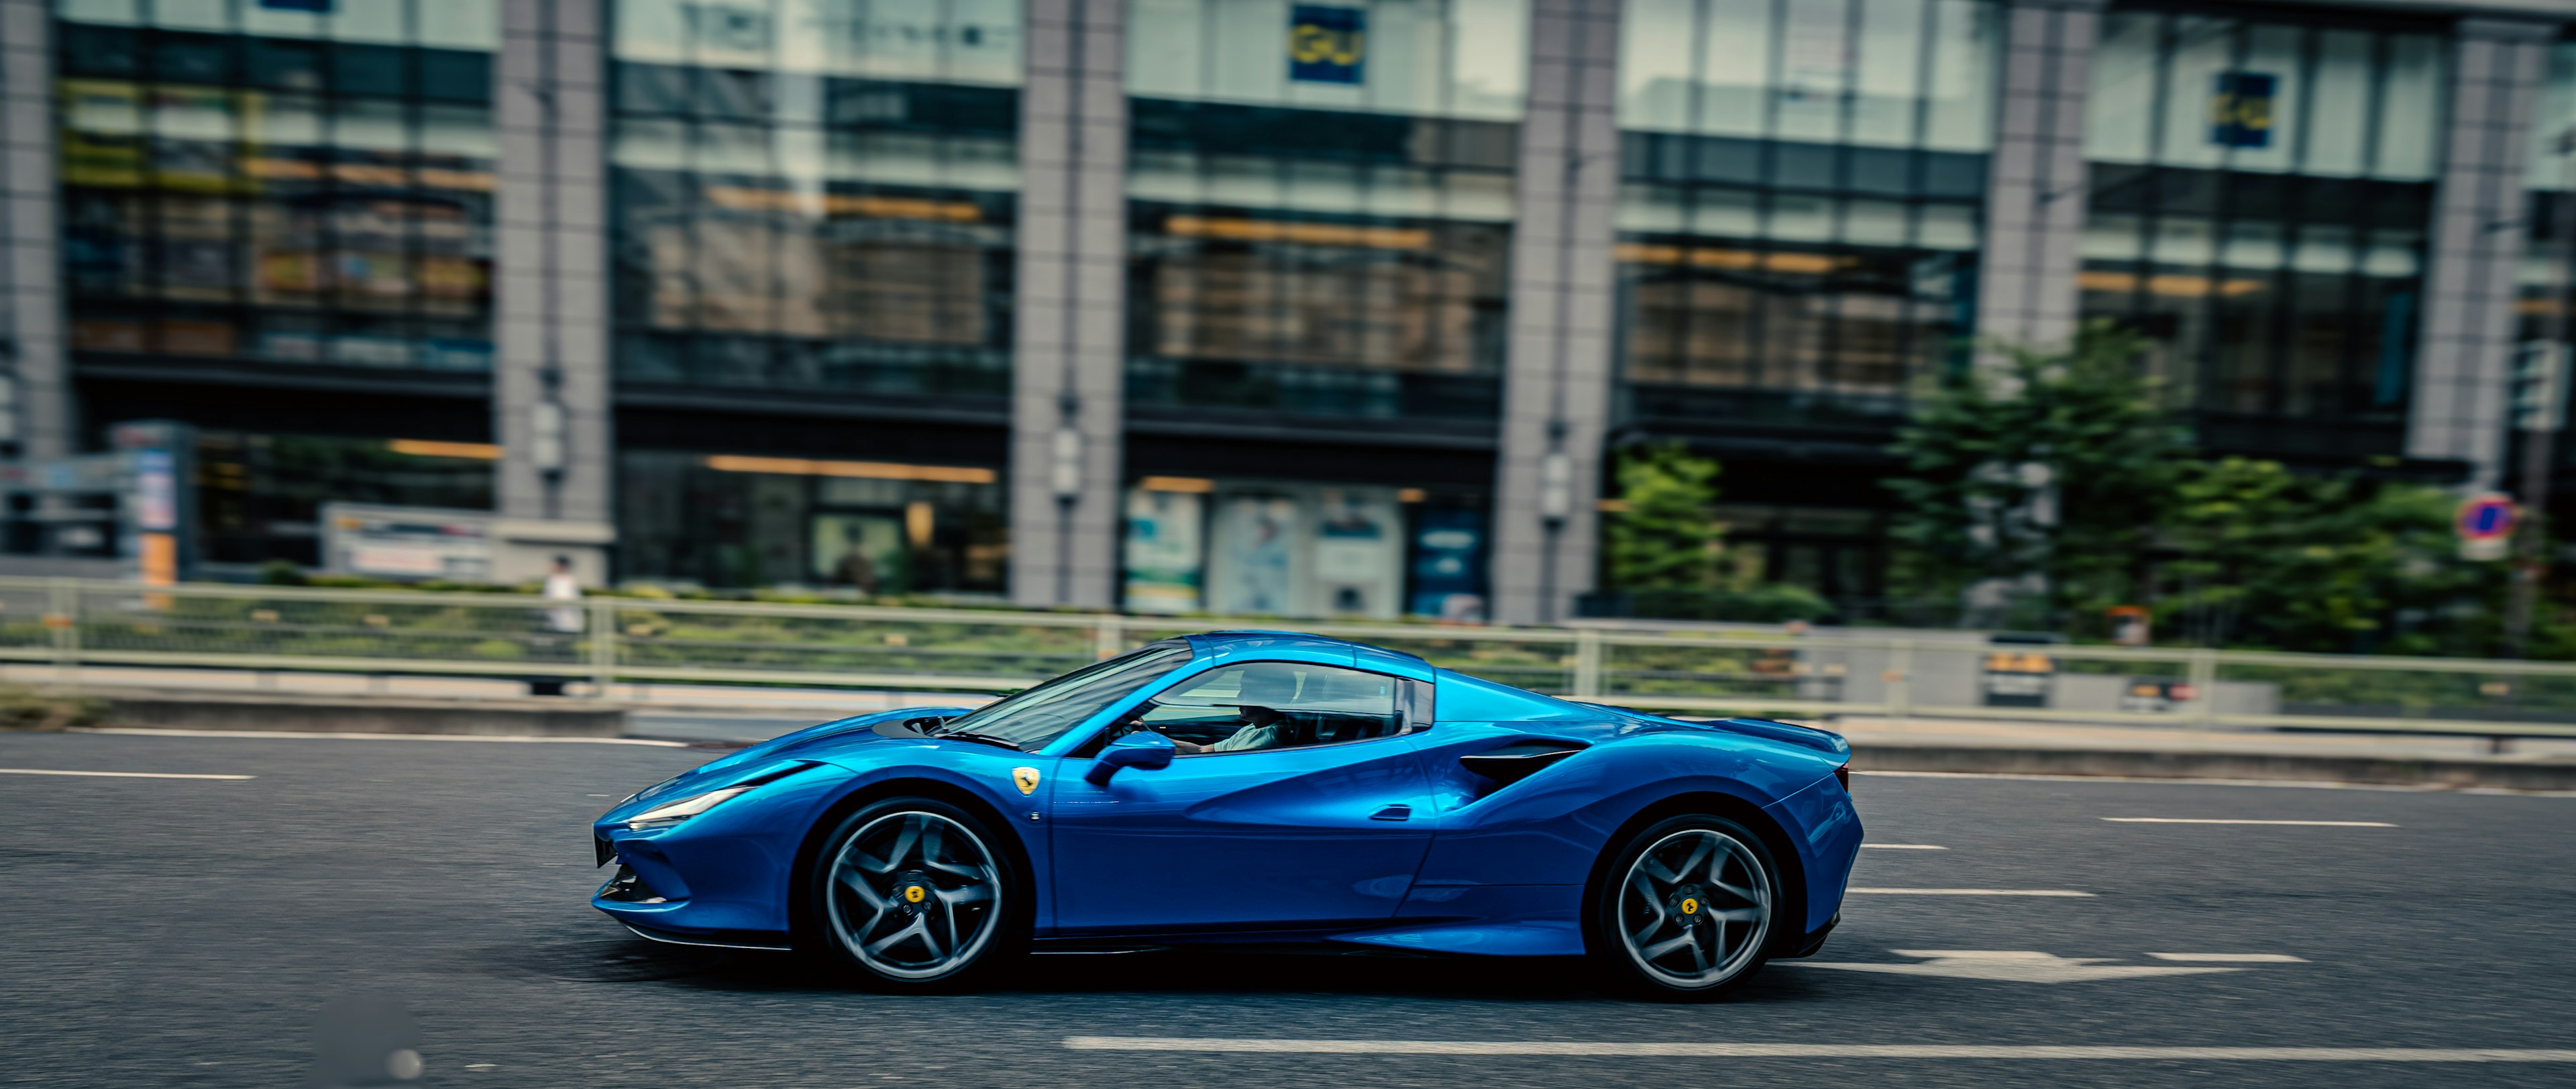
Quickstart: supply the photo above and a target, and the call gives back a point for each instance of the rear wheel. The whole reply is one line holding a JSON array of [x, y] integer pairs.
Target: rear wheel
[[1684, 912], [915, 894]]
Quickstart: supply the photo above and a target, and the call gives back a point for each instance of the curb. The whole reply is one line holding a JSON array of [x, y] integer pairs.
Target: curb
[[281, 712], [2148, 764]]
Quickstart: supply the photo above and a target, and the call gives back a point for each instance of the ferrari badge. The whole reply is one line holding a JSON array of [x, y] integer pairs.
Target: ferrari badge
[[1026, 779]]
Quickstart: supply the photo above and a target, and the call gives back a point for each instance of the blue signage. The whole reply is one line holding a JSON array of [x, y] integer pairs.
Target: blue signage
[[2240, 110], [2487, 517], [1449, 564], [1327, 44]]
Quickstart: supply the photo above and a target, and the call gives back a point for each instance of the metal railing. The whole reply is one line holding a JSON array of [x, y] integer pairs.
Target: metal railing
[[76, 625]]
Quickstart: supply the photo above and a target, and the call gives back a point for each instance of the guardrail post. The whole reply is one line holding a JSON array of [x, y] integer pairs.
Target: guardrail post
[[62, 614], [2204, 687], [603, 646], [1899, 678], [1587, 664], [1109, 636]]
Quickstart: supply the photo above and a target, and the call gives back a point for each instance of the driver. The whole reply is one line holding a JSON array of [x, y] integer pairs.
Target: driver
[[1260, 731], [1264, 687]]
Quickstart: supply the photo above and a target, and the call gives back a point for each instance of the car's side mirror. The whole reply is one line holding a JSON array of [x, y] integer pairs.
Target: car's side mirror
[[1142, 749]]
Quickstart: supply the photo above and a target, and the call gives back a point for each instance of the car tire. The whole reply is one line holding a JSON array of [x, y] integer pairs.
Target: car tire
[[915, 895], [1685, 910]]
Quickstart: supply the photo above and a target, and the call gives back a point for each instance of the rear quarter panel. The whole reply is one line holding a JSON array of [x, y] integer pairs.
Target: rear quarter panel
[[1551, 828]]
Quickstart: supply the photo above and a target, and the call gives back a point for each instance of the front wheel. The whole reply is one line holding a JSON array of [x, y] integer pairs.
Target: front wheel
[[1684, 912], [915, 894]]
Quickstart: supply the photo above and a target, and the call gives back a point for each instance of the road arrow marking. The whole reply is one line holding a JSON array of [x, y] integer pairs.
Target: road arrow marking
[[2008, 966]]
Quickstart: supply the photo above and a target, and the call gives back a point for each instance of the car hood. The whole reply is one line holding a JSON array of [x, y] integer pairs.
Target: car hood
[[814, 743]]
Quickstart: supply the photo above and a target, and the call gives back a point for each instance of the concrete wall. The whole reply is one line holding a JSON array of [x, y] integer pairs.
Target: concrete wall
[[1556, 390], [37, 408], [2478, 235], [551, 282], [1069, 346], [2036, 188]]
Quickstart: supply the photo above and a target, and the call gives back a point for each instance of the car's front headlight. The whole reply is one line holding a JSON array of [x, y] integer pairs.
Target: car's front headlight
[[669, 813], [686, 808]]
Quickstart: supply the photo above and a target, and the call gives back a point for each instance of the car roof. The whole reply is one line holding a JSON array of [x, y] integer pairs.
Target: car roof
[[1297, 640]]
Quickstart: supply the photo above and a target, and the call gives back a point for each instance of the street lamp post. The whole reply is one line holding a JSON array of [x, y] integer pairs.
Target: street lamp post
[[1064, 476]]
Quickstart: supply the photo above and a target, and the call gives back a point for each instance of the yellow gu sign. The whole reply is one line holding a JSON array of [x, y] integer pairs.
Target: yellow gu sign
[[1327, 44]]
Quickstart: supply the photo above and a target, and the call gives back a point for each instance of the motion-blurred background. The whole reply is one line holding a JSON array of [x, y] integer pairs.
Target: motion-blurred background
[[2147, 323]]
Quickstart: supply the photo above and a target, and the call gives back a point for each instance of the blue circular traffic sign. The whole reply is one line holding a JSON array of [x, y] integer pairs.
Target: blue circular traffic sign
[[2487, 517]]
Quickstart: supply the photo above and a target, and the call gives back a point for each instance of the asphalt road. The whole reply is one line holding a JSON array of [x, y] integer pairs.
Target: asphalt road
[[192, 932]]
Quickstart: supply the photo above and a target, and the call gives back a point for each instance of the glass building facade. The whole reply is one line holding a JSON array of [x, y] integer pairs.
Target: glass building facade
[[1333, 245], [1319, 218], [2259, 206], [815, 198], [281, 190], [244, 182], [1803, 184], [1321, 239], [815, 195]]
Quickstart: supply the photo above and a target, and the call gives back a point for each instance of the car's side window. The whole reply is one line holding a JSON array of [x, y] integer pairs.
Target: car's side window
[[1274, 705]]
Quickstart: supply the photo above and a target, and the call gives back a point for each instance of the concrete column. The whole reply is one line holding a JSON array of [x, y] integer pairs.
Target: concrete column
[[550, 388], [2465, 362], [35, 402], [1068, 356], [2035, 180], [1556, 383]]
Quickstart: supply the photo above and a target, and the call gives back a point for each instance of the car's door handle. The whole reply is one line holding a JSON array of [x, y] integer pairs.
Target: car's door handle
[[1397, 812]]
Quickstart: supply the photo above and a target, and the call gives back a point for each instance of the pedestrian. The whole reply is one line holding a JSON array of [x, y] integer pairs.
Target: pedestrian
[[564, 621]]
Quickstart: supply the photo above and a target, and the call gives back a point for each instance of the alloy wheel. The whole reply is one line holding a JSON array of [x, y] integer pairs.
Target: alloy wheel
[[914, 895], [1694, 908]]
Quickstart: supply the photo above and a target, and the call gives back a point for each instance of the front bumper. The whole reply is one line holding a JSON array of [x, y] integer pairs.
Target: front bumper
[[722, 877]]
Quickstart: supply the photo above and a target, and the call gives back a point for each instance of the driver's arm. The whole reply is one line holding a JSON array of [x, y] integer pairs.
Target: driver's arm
[[1260, 731]]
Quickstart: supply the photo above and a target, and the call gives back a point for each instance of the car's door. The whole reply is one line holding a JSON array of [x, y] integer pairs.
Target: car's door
[[1307, 808]]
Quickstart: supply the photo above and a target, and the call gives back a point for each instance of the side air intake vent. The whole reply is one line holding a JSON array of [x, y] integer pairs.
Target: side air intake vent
[[1520, 759]]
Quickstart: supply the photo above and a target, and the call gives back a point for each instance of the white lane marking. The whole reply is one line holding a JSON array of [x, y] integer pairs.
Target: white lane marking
[[1966, 892], [2008, 966], [120, 774], [1653, 1048], [2275, 784], [2226, 820], [2232, 958], [1904, 847], [299, 735]]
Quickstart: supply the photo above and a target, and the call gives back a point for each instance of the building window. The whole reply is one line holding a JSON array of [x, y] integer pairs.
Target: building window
[[2258, 205], [260, 496], [816, 197], [869, 528], [1320, 205], [1803, 182], [1274, 548], [245, 182]]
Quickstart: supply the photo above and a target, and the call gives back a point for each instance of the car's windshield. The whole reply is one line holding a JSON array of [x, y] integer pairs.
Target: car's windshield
[[1041, 714]]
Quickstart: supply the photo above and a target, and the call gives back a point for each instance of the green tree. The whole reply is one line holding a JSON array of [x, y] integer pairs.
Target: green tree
[[1666, 545], [2272, 558], [1667, 537], [2047, 472]]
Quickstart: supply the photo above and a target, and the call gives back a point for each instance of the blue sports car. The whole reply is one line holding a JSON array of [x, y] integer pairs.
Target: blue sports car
[[1252, 787]]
